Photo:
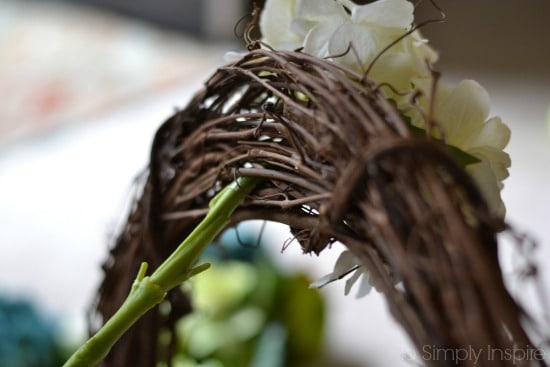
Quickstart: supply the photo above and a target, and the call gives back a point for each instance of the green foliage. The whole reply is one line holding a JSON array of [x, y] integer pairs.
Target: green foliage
[[302, 312], [247, 313]]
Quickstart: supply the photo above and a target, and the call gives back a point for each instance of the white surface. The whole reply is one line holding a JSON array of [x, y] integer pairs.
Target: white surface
[[61, 195]]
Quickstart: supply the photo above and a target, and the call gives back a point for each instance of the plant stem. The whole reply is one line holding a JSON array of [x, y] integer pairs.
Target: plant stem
[[148, 291]]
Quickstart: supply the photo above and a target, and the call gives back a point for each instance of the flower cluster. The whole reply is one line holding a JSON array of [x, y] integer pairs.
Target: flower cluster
[[351, 35], [379, 37]]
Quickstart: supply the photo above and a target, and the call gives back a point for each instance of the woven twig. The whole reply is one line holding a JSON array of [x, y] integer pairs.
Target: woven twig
[[340, 164]]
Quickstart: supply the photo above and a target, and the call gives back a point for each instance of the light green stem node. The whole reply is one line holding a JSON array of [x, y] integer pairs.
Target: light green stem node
[[147, 292], [141, 274]]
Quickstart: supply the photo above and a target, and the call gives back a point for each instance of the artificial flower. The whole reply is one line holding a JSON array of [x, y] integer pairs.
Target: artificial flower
[[353, 36], [406, 61], [346, 264], [275, 25], [365, 31], [462, 115]]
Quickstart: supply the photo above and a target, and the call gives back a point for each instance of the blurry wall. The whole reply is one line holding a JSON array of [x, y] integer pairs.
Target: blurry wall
[[214, 19], [498, 36]]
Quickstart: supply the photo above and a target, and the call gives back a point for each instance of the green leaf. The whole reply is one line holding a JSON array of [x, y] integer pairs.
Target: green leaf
[[462, 157]]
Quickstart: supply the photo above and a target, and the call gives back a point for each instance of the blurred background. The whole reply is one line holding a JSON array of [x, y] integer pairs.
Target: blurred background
[[85, 84]]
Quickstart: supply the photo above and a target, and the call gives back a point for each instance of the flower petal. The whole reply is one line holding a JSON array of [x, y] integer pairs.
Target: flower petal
[[345, 262], [322, 281], [365, 286], [386, 13], [494, 133], [275, 21], [316, 42], [420, 48], [462, 113], [488, 185], [301, 27], [360, 42], [498, 160], [395, 68], [351, 281]]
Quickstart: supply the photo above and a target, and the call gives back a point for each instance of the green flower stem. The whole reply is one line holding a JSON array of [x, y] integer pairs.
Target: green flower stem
[[169, 274], [148, 291]]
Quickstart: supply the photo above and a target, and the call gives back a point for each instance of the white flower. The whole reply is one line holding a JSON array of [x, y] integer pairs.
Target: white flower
[[347, 263], [352, 35], [275, 24], [326, 28], [404, 62], [462, 113], [367, 30]]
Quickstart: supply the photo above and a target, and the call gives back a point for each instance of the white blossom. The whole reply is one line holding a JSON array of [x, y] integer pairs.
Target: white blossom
[[462, 113], [351, 35]]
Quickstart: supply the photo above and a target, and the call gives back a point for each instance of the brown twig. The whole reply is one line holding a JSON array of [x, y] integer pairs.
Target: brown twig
[[339, 163]]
